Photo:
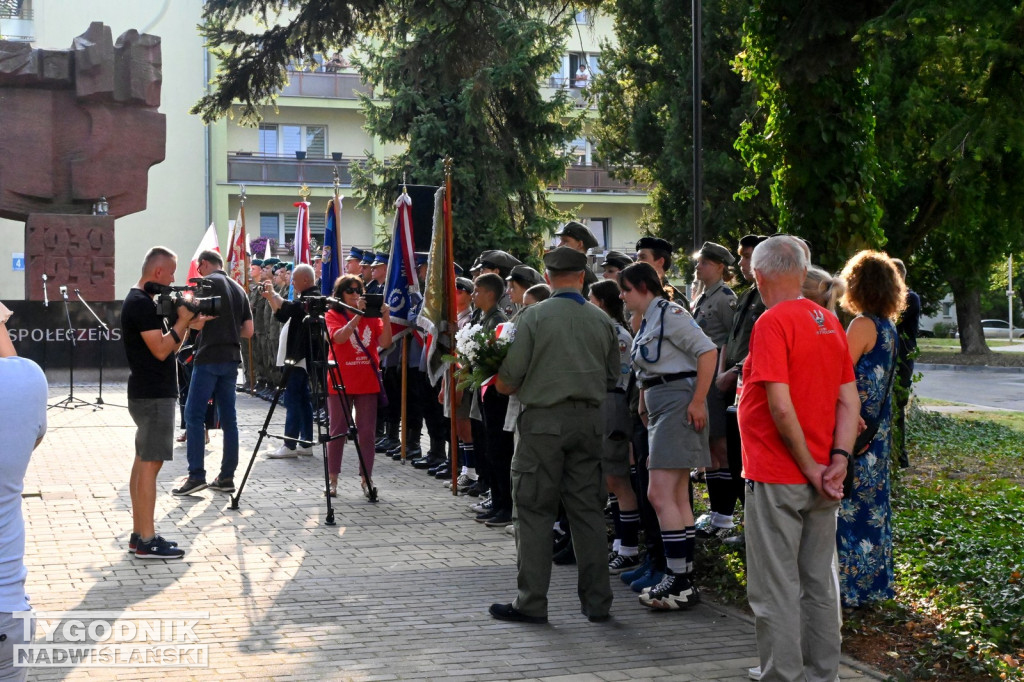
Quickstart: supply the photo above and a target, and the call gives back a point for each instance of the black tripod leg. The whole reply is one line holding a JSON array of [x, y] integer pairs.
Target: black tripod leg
[[263, 432]]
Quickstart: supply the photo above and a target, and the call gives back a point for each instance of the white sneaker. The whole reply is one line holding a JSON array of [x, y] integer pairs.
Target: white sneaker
[[754, 673], [283, 452], [304, 451]]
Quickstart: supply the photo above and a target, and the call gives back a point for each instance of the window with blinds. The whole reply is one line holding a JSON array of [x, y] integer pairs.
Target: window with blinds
[[285, 140]]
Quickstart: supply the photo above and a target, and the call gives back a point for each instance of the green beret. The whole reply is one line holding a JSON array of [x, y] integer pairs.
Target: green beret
[[717, 253], [580, 232], [565, 259], [256, 261], [271, 261]]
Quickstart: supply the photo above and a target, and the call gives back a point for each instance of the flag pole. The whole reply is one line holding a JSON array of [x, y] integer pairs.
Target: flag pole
[[405, 365], [245, 274], [450, 316]]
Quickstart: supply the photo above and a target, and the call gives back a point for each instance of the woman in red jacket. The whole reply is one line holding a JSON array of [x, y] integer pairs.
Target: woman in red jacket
[[354, 342]]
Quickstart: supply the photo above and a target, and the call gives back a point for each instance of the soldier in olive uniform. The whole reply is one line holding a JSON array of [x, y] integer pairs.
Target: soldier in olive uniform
[[578, 237], [713, 311], [749, 307], [562, 362]]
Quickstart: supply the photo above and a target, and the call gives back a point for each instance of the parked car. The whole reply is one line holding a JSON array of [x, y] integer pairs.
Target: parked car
[[999, 329]]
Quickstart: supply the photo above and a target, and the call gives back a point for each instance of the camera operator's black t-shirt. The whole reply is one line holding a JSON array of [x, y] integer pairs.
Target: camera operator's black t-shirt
[[149, 378], [219, 340]]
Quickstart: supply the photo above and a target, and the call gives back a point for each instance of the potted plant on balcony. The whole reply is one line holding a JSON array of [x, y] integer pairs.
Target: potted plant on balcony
[[300, 155], [336, 156]]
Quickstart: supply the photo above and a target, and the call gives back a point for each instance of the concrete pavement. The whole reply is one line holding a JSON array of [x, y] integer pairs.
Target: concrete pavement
[[985, 387], [398, 590]]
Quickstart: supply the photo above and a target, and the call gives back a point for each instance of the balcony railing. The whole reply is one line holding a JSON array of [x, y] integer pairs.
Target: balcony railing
[[248, 167], [591, 178], [339, 85], [17, 25]]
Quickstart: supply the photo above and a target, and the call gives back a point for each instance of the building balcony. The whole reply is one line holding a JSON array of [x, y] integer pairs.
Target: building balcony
[[267, 169], [17, 24], [325, 85], [587, 177]]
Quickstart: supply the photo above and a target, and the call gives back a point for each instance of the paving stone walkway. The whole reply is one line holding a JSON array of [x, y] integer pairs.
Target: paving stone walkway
[[397, 590]]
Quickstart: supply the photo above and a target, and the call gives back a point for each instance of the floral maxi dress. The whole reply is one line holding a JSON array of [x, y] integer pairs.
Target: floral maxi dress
[[864, 532]]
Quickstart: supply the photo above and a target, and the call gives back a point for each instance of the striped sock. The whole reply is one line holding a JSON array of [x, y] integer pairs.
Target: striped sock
[[629, 524], [468, 454], [679, 549]]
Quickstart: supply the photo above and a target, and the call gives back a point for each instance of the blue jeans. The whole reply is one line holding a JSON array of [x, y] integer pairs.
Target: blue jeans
[[298, 419], [216, 380]]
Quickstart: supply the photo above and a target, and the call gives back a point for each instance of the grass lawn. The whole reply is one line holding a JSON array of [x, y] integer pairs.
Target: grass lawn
[[958, 530]]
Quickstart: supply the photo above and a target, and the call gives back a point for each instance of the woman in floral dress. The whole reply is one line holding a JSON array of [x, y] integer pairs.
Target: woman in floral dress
[[876, 294]]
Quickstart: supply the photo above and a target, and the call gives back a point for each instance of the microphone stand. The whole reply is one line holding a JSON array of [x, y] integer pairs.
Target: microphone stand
[[71, 402], [106, 329], [46, 303]]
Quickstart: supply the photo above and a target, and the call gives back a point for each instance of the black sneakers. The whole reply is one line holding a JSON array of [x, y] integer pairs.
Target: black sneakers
[[224, 485], [133, 543], [157, 548], [620, 564], [192, 485], [675, 592]]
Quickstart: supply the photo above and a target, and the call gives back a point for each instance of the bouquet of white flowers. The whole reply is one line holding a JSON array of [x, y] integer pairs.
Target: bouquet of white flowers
[[479, 354]]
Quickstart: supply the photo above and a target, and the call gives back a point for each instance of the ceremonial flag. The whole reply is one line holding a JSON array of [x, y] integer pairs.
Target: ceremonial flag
[[238, 245], [302, 233], [401, 287], [209, 243], [433, 317], [331, 257]]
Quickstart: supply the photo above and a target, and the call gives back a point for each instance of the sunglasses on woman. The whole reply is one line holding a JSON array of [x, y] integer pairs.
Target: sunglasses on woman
[[352, 290]]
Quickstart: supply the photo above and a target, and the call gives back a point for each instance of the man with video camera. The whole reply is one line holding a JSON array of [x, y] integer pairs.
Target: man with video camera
[[298, 421], [215, 372], [150, 340]]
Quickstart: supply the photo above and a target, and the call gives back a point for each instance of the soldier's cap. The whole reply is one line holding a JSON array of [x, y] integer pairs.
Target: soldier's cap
[[717, 253], [498, 260], [367, 258], [317, 256], [525, 275], [751, 240], [464, 284], [565, 259], [379, 259], [580, 232], [458, 270], [280, 266], [476, 265], [256, 261], [422, 257], [355, 253], [656, 243], [268, 262], [616, 259]]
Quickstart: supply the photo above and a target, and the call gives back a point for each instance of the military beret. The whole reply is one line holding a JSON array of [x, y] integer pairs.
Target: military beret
[[280, 266], [367, 258], [422, 257], [355, 253], [751, 240], [499, 259], [256, 261], [717, 253], [565, 259], [267, 262], [616, 259], [464, 284], [653, 243], [580, 232], [380, 259], [524, 274], [458, 270]]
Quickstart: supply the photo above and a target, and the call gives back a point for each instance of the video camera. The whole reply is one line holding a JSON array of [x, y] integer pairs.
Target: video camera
[[201, 301]]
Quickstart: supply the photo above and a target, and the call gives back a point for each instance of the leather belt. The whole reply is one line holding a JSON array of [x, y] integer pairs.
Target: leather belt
[[664, 379]]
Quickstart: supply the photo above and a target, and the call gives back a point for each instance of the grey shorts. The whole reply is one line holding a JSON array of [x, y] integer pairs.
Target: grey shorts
[[716, 412], [618, 430], [465, 406], [154, 417], [673, 443], [13, 631]]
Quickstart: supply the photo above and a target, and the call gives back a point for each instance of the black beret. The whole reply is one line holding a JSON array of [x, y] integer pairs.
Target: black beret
[[656, 243]]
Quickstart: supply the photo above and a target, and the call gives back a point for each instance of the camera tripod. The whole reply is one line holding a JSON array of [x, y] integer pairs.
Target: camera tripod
[[322, 369]]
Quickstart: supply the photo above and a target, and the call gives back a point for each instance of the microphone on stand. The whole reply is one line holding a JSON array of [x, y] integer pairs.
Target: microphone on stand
[[64, 292], [46, 298]]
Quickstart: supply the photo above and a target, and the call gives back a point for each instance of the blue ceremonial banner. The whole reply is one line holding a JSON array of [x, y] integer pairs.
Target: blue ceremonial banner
[[401, 288], [331, 255]]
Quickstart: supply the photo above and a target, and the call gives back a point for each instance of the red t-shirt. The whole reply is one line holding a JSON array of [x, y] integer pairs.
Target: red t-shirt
[[357, 370], [800, 344]]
